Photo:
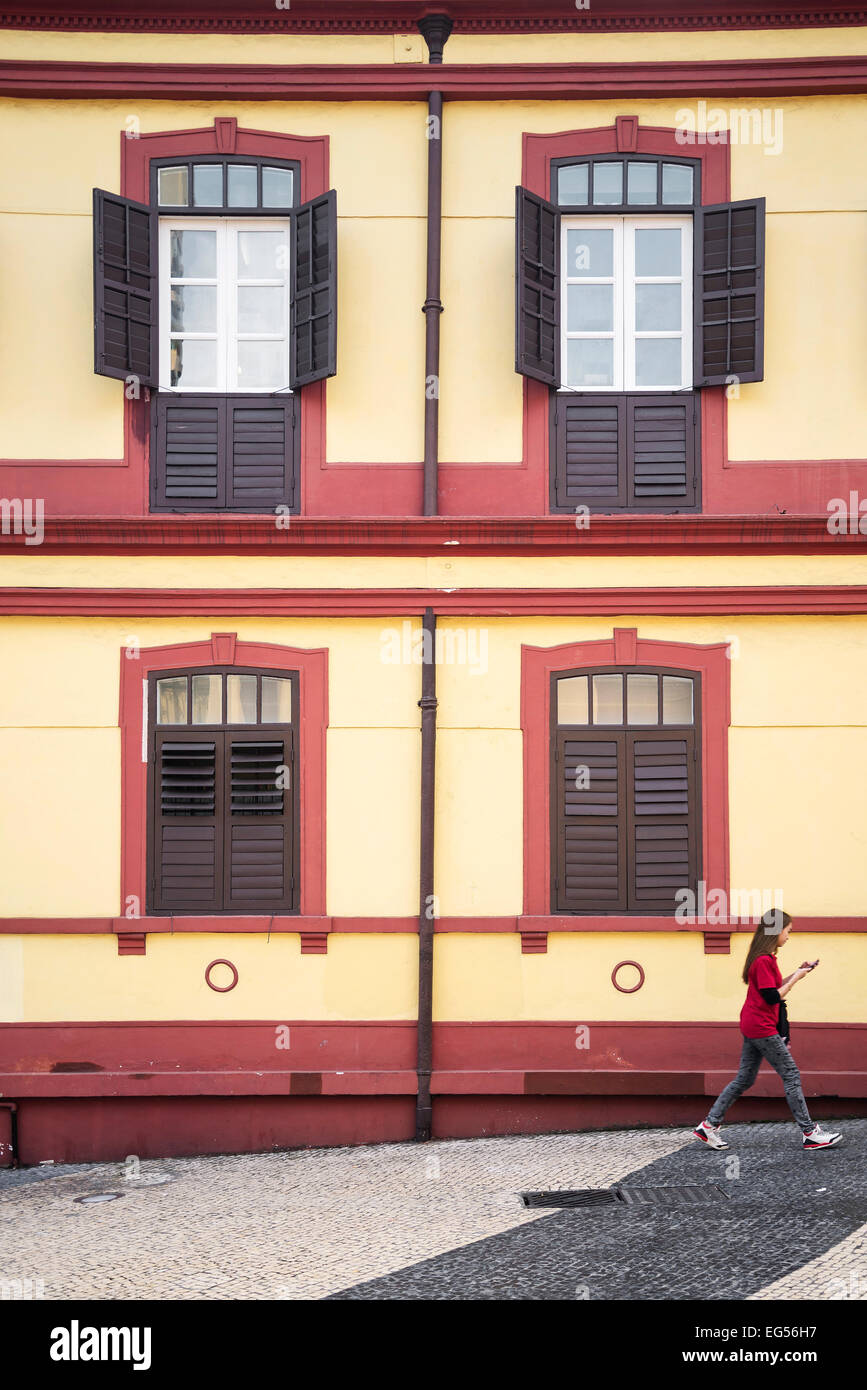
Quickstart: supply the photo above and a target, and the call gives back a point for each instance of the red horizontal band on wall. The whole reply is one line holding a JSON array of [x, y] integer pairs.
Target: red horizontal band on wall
[[317, 926], [555, 535], [402, 82], [702, 601]]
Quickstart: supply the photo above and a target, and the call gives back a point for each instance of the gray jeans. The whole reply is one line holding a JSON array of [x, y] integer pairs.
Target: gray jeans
[[775, 1051]]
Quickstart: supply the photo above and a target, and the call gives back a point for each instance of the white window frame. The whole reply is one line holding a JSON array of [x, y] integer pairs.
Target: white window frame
[[227, 280], [624, 279]]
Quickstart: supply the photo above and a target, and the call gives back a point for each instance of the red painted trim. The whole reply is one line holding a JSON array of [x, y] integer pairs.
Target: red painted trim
[[317, 926], [406, 82], [537, 666], [377, 602], [390, 16], [476, 535], [312, 667]]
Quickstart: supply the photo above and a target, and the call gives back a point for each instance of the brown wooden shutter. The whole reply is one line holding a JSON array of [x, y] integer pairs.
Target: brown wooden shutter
[[313, 237], [639, 452], [258, 822], [590, 451], [223, 453], [125, 288], [664, 818], [729, 292], [663, 450], [537, 287], [591, 874], [260, 443], [187, 851], [188, 447]]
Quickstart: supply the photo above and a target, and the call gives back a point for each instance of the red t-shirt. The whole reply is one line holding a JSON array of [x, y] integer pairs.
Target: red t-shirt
[[759, 1019]]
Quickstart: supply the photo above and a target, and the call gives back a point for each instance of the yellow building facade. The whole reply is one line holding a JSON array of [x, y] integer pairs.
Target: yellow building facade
[[392, 741]]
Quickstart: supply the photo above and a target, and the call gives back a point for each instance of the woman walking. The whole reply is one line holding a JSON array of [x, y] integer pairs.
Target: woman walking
[[765, 1029]]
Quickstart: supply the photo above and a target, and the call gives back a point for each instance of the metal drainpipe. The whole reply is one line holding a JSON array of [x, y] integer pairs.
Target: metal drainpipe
[[435, 29], [13, 1128], [427, 902]]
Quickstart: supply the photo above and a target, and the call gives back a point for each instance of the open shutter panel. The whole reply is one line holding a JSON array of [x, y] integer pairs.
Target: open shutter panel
[[313, 350], [662, 433], [591, 451], [124, 288], [258, 821], [537, 287], [187, 848], [729, 292], [591, 868], [663, 824], [260, 444]]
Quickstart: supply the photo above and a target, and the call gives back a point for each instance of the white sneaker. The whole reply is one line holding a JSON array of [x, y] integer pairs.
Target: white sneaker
[[709, 1134], [820, 1138]]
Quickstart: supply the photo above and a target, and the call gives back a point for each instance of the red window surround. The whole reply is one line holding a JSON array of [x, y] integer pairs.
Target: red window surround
[[223, 649], [624, 648]]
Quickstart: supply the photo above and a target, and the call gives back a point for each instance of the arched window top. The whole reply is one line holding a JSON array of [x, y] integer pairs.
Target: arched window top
[[239, 185], [637, 698], [219, 697], [626, 183]]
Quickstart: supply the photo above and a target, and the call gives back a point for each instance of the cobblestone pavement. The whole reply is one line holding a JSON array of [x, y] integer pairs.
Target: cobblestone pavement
[[445, 1221]]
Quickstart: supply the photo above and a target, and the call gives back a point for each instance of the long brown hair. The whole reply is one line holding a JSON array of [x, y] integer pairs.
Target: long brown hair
[[766, 938]]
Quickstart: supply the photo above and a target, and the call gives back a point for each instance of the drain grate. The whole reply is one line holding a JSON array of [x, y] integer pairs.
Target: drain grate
[[683, 1196]]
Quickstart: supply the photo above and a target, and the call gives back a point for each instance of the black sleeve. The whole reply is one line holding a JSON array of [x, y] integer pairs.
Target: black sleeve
[[770, 996]]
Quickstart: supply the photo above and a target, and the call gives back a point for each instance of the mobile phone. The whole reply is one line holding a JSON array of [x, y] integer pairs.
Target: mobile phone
[[810, 964]]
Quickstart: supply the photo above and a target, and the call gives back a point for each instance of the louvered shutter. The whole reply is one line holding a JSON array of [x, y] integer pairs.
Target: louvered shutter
[[188, 452], [124, 288], [537, 287], [663, 450], [729, 292], [187, 851], [261, 455], [591, 455], [663, 820], [591, 874], [313, 348], [258, 821]]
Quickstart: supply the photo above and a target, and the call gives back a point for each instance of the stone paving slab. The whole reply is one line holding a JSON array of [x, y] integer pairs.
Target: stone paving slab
[[444, 1221]]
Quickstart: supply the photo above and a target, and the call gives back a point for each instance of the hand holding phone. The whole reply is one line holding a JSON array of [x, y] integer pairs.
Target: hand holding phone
[[809, 964]]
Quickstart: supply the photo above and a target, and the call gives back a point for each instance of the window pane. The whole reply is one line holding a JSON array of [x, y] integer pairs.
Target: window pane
[[194, 362], [261, 255], [572, 700], [589, 362], [658, 362], [642, 700], [276, 700], [590, 251], [208, 185], [261, 309], [657, 251], [207, 699], [194, 255], [242, 185], [194, 308], [572, 184], [241, 699], [657, 308], [607, 699], [607, 184], [276, 187], [590, 308], [261, 365], [172, 700], [677, 700], [676, 183], [173, 187], [641, 183]]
